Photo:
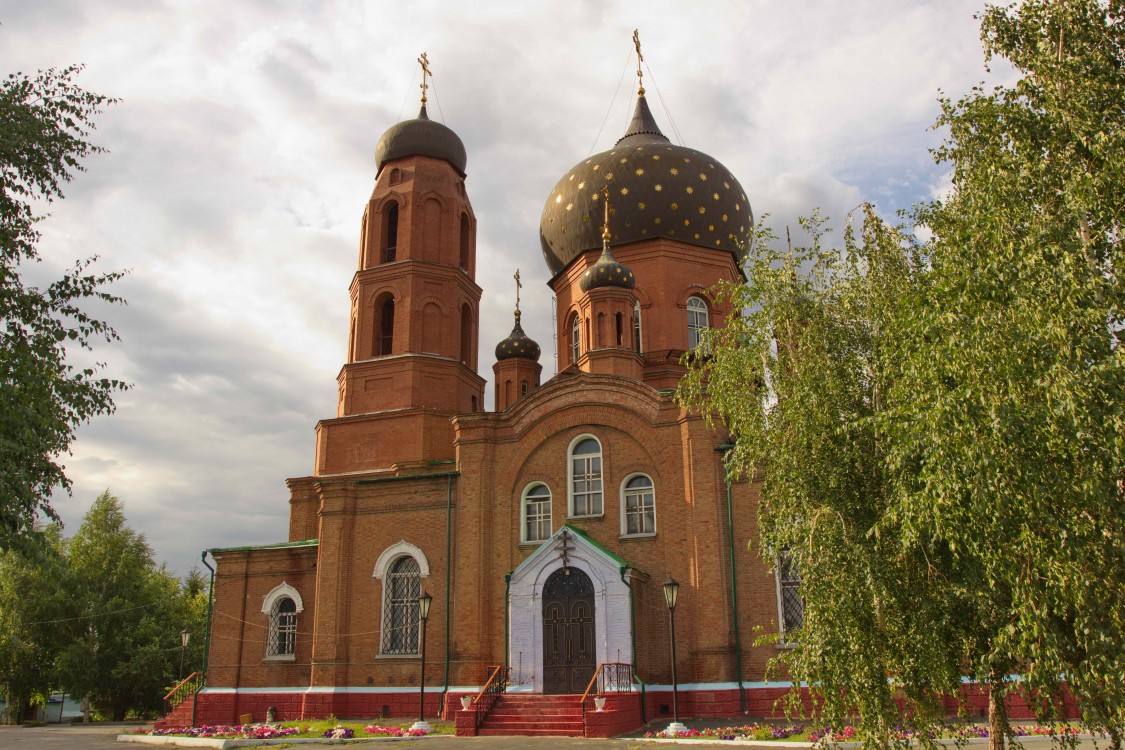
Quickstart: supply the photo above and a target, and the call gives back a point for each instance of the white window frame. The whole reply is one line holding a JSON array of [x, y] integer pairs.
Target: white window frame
[[270, 604], [698, 318], [383, 568], [526, 499], [575, 337], [637, 327], [624, 491], [571, 511], [782, 582]]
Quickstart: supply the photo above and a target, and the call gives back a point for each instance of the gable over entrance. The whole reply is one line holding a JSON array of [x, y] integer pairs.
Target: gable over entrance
[[532, 587]]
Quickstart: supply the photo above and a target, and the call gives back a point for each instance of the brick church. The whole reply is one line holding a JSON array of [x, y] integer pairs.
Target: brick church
[[545, 529]]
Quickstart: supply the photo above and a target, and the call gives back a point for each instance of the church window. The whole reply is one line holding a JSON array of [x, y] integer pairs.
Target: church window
[[465, 238], [637, 326], [575, 339], [282, 605], [790, 603], [390, 235], [620, 330], [402, 586], [638, 507], [283, 628], [585, 477], [523, 387], [384, 332], [466, 335], [697, 320], [536, 526]]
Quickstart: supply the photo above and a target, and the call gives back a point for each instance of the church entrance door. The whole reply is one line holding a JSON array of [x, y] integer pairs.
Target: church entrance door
[[568, 632]]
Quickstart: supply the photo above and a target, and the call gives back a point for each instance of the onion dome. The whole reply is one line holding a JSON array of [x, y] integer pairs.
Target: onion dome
[[607, 272], [658, 189], [517, 344], [421, 137]]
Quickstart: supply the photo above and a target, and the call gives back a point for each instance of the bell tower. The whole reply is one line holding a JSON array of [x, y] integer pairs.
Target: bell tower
[[412, 344]]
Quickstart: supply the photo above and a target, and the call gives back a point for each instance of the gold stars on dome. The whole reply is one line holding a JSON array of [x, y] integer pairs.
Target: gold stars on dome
[[569, 206], [658, 187], [674, 171], [690, 190], [702, 209], [639, 172], [715, 196], [724, 217], [597, 167], [624, 191], [703, 176], [726, 185], [675, 206], [641, 205], [623, 160], [582, 184], [656, 157], [656, 220], [558, 198]]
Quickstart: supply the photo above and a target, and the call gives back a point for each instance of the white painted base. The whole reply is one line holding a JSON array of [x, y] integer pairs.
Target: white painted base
[[673, 728], [424, 726]]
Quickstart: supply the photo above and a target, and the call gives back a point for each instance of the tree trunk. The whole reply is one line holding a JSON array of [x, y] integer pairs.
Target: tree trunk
[[997, 715]]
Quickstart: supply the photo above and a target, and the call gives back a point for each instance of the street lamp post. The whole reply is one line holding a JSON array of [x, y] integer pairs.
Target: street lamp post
[[185, 636], [671, 594], [423, 616]]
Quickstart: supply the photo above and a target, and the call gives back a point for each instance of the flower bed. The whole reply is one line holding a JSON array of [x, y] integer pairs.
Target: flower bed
[[828, 735], [222, 731]]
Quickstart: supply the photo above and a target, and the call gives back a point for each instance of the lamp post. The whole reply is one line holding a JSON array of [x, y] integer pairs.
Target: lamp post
[[423, 616], [671, 594], [185, 636]]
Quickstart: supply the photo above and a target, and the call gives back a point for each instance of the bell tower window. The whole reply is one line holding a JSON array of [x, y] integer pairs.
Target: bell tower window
[[384, 329], [390, 236], [463, 260]]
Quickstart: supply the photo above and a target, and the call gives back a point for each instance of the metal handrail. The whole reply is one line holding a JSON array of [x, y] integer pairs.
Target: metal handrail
[[186, 688], [611, 676], [497, 684]]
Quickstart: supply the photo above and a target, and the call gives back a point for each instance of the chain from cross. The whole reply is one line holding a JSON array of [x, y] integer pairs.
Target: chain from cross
[[425, 63]]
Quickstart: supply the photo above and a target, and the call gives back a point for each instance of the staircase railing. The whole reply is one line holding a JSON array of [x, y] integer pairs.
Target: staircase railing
[[609, 677], [187, 687], [496, 686]]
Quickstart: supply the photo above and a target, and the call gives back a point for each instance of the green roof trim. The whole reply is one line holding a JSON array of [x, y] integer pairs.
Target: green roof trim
[[594, 543], [277, 545]]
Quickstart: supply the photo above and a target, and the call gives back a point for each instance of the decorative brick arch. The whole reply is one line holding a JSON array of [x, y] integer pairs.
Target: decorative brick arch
[[277, 592], [397, 550]]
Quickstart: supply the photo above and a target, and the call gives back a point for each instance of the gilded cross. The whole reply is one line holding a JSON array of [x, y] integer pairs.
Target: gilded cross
[[640, 59], [425, 63], [605, 224], [518, 286]]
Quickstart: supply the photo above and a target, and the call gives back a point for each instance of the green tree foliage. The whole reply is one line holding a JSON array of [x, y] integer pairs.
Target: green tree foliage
[[34, 612], [124, 653], [45, 121], [1008, 434], [941, 428]]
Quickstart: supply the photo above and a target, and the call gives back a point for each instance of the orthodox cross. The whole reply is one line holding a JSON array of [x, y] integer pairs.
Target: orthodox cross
[[605, 224], [518, 285], [640, 59], [425, 63], [564, 551]]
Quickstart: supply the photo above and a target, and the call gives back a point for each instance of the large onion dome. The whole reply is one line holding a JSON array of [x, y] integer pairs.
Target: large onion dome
[[421, 137], [517, 344], [657, 189]]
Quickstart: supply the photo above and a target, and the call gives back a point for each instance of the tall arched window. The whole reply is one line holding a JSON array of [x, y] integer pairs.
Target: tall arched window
[[463, 259], [575, 338], [466, 335], [535, 510], [383, 331], [282, 605], [638, 506], [390, 235], [620, 339], [402, 586], [697, 320], [637, 326], [585, 472]]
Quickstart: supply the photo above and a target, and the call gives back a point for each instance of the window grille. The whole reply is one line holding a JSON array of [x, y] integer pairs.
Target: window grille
[[401, 587], [640, 506], [283, 628], [790, 601]]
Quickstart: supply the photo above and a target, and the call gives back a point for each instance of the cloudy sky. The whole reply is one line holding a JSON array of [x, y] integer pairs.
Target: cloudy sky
[[241, 157]]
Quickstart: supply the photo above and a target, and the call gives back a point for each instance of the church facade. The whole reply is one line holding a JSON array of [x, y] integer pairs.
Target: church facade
[[545, 529]]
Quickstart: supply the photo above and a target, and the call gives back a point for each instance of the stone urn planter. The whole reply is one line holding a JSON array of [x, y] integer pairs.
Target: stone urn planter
[[466, 702], [599, 702]]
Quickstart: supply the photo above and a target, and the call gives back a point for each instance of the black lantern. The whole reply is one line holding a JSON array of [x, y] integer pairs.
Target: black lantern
[[671, 594], [424, 602]]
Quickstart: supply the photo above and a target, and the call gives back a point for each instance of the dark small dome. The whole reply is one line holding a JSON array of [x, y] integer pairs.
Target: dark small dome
[[657, 189], [421, 137], [607, 272], [517, 344]]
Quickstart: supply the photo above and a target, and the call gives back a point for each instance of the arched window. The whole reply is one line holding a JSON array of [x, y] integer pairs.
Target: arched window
[[390, 235], [790, 603], [575, 338], [697, 320], [637, 326], [402, 586], [282, 605], [535, 525], [585, 477], [638, 506], [466, 335], [383, 332], [620, 330], [464, 256]]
